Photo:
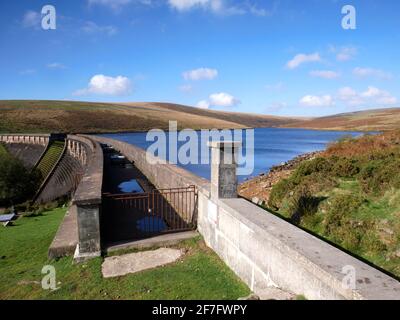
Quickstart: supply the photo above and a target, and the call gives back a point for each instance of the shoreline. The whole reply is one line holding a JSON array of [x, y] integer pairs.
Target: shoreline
[[258, 189]]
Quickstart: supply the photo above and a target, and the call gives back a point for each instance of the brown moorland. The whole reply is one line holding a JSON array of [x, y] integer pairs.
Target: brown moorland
[[36, 116], [88, 117], [368, 120]]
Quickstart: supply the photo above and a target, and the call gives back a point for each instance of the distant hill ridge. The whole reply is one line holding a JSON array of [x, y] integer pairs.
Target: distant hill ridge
[[91, 117]]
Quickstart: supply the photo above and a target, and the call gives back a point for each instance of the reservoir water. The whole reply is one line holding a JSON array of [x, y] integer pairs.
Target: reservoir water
[[272, 146]]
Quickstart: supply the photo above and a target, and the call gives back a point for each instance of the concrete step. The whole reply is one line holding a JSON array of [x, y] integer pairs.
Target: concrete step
[[66, 238]]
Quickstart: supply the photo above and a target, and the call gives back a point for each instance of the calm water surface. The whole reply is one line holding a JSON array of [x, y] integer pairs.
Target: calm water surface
[[272, 146]]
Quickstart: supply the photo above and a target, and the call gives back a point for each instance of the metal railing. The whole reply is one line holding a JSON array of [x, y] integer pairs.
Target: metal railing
[[156, 212]]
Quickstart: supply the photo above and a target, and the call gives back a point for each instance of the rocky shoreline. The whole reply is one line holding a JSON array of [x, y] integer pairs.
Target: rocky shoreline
[[259, 188]]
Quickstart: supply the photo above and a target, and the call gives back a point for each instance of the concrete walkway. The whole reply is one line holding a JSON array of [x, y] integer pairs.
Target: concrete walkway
[[66, 238], [135, 262]]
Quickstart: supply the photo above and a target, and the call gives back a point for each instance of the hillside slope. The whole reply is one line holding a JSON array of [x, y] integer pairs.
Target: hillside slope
[[369, 120], [69, 116], [246, 119], [350, 195]]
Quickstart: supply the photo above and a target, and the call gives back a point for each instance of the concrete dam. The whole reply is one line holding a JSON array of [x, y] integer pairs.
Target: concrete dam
[[261, 248]]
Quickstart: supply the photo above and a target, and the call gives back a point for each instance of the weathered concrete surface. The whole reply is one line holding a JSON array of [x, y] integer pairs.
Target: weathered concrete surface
[[272, 293], [224, 182], [87, 199], [266, 251], [158, 241], [135, 262], [29, 154], [66, 239], [163, 176], [90, 187]]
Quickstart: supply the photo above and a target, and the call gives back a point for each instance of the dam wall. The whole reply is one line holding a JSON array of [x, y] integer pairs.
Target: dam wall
[[69, 171], [27, 148], [261, 248]]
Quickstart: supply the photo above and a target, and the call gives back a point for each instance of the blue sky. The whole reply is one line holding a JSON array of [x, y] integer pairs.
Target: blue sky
[[282, 57]]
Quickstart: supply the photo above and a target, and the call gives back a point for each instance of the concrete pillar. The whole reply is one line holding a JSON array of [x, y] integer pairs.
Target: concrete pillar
[[223, 169], [89, 245]]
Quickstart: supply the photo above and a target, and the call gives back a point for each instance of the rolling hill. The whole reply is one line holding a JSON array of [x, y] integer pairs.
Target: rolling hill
[[18, 116], [85, 117], [369, 120]]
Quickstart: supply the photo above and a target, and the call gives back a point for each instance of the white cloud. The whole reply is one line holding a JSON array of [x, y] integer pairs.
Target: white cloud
[[185, 5], [221, 99], [56, 65], [372, 97], [92, 28], [345, 53], [114, 4], [303, 58], [221, 7], [200, 74], [31, 19], [370, 72], [317, 101], [105, 85], [325, 74], [203, 104]]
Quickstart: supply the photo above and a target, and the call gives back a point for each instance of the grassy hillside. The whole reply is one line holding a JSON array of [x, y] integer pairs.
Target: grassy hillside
[[246, 119], [351, 196], [370, 120], [24, 253], [67, 116]]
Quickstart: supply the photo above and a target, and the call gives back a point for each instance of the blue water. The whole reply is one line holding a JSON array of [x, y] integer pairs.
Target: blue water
[[131, 186], [151, 224], [272, 146]]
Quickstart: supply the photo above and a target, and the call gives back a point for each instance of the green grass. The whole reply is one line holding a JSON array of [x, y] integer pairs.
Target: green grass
[[23, 253], [50, 158], [349, 196], [3, 149]]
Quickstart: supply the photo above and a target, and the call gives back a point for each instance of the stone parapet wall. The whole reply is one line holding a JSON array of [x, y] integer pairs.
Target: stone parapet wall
[[163, 176], [265, 250]]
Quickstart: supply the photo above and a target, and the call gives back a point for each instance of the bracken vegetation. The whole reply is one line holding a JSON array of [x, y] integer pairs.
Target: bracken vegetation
[[350, 196]]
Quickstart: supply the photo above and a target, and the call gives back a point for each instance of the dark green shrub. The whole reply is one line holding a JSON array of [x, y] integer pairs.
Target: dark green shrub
[[345, 167], [17, 183], [338, 224], [312, 166], [278, 193], [302, 204], [379, 175]]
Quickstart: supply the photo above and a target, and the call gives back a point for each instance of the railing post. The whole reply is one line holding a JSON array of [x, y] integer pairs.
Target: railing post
[[223, 169]]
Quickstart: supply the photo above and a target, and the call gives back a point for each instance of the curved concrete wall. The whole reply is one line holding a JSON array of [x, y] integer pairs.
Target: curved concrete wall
[[163, 176], [80, 154], [28, 148], [68, 173], [264, 250]]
